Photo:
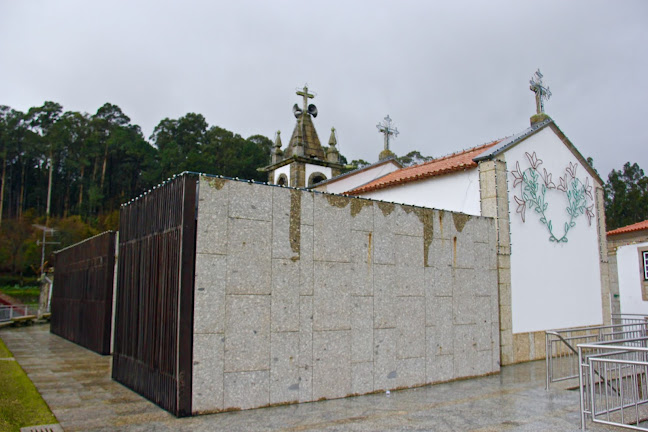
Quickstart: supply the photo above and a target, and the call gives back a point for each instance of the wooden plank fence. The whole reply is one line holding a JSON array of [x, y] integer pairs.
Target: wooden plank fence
[[83, 292], [153, 339]]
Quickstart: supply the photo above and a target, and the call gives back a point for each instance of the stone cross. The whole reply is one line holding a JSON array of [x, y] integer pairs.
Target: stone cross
[[541, 92], [386, 128], [304, 93]]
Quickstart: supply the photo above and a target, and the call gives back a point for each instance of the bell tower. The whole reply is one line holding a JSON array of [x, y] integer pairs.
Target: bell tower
[[303, 163]]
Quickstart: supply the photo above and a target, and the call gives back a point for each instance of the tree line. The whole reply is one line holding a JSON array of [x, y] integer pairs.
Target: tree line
[[99, 161], [72, 170], [626, 196]]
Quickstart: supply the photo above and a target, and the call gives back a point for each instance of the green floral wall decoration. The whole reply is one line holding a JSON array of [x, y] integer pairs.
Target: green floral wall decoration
[[533, 195]]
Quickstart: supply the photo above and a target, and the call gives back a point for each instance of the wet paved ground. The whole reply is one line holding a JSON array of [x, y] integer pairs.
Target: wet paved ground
[[77, 386]]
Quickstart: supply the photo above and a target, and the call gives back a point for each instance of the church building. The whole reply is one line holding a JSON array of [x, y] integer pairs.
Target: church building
[[548, 205], [279, 295]]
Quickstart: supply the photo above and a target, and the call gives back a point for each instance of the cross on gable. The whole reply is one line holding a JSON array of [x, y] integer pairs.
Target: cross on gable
[[541, 92], [304, 93], [386, 128]]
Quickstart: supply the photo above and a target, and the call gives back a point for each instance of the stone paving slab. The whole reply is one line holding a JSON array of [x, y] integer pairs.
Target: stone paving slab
[[76, 384]]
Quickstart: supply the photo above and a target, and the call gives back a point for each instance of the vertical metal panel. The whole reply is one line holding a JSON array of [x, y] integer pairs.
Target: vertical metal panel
[[83, 291], [154, 309], [186, 306]]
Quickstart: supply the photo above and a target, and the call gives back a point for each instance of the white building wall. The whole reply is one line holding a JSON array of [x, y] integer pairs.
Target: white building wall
[[353, 181], [553, 285], [457, 192], [282, 170], [310, 169], [630, 280]]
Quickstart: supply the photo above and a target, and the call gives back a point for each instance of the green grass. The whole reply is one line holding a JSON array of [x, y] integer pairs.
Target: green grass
[[20, 403], [4, 351], [26, 294]]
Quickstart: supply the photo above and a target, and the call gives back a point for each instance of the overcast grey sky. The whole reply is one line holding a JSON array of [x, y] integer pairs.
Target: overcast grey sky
[[451, 74]]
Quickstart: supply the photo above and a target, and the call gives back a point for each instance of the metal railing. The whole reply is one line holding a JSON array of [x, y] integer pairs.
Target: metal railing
[[628, 318], [16, 312], [613, 384], [561, 356]]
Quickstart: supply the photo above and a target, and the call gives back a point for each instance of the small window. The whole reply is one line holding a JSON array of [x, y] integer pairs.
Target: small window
[[645, 265], [283, 180]]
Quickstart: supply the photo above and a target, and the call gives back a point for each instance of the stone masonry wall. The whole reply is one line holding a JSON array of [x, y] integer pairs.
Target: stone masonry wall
[[302, 296]]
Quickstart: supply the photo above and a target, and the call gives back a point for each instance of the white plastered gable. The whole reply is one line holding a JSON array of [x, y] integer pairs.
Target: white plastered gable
[[555, 267]]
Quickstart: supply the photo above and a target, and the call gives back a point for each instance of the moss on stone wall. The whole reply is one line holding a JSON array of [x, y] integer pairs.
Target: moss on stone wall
[[295, 221], [216, 183], [386, 208], [338, 200], [426, 216], [460, 220], [358, 204]]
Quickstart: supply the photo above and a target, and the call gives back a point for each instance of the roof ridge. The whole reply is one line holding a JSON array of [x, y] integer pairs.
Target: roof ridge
[[354, 171], [457, 161], [457, 153]]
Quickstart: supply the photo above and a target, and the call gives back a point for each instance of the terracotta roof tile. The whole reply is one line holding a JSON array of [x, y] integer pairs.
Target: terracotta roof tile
[[444, 165], [630, 228]]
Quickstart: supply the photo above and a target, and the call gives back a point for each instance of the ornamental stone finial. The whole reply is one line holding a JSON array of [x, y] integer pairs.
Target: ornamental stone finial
[[332, 154], [277, 142]]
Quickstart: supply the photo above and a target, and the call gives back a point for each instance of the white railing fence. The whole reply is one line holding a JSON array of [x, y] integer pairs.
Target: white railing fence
[[13, 312], [628, 318], [561, 356], [613, 385]]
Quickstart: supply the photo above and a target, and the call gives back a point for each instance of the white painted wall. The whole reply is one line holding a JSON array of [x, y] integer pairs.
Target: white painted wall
[[358, 179], [630, 279], [310, 169], [455, 192], [282, 170], [553, 285]]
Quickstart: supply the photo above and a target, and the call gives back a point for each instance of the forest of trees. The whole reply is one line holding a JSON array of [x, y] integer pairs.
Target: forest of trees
[[94, 163], [626, 196]]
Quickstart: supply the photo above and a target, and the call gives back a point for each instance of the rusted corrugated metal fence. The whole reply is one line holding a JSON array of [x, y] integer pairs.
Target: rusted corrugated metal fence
[[152, 351], [83, 292]]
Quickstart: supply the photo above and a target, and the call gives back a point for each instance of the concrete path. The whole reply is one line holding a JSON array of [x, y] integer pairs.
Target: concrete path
[[77, 386]]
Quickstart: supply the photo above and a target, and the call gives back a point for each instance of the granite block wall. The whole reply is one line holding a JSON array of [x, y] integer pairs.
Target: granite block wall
[[302, 296]]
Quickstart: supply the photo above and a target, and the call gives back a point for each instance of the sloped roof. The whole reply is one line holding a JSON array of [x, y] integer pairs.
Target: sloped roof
[[509, 142], [361, 169], [639, 226], [452, 163], [513, 140]]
